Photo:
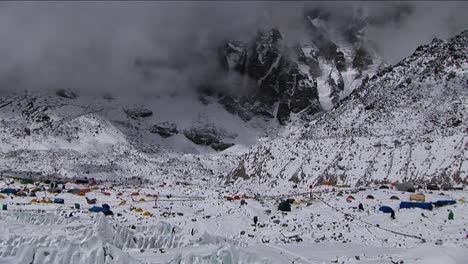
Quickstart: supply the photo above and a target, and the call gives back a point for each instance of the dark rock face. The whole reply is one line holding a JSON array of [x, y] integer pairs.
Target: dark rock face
[[207, 137], [236, 106], [165, 129], [66, 93], [340, 61], [279, 79], [265, 53], [233, 56], [362, 59], [138, 112]]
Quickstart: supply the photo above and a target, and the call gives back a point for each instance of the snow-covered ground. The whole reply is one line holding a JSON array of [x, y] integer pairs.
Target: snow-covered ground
[[197, 224]]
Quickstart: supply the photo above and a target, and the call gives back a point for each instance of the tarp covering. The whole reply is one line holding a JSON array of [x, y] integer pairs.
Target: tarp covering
[[426, 206], [59, 201], [444, 203], [386, 209], [105, 209], [9, 191], [284, 206]]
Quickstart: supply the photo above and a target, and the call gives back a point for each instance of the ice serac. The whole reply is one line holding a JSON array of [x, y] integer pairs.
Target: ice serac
[[282, 87], [407, 123]]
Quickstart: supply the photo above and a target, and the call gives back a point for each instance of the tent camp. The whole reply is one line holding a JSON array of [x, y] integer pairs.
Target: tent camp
[[394, 198], [386, 209], [426, 206]]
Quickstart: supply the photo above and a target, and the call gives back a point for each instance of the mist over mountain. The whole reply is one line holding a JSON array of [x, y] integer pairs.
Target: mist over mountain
[[91, 47]]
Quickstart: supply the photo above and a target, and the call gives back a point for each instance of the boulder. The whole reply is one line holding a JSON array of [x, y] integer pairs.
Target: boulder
[[208, 137], [138, 112], [165, 129]]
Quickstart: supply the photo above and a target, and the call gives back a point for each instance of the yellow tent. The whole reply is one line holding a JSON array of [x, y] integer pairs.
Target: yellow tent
[[33, 201], [138, 210], [142, 200], [122, 203], [147, 214], [43, 201], [461, 200], [2, 196]]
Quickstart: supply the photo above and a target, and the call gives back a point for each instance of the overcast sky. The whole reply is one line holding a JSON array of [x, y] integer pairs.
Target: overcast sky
[[90, 45]]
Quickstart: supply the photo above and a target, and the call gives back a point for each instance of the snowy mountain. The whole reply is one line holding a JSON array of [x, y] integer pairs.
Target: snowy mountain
[[387, 130], [407, 123]]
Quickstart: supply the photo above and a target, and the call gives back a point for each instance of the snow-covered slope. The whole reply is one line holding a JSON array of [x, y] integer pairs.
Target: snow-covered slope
[[409, 122]]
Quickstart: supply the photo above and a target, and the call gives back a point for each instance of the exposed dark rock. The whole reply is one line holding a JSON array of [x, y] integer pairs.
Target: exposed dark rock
[[138, 112], [265, 52], [165, 129], [362, 59], [340, 61], [234, 105], [279, 79], [233, 56], [66, 93], [207, 137]]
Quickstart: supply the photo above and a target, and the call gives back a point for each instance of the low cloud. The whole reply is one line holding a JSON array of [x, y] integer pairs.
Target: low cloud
[[92, 46]]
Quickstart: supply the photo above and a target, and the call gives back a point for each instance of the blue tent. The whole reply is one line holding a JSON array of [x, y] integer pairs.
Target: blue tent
[[59, 201], [386, 209], [426, 206], [9, 191], [444, 203], [105, 209], [96, 209], [284, 206]]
